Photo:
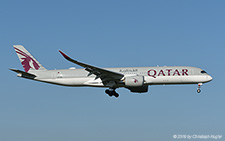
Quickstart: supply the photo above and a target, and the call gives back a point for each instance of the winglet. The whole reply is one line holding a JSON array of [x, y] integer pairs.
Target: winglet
[[64, 55]]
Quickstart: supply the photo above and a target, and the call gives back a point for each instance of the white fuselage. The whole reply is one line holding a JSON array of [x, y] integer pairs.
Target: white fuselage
[[136, 79], [152, 76]]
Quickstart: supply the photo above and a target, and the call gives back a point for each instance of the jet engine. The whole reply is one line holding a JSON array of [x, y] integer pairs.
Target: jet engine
[[142, 89], [136, 84], [134, 81]]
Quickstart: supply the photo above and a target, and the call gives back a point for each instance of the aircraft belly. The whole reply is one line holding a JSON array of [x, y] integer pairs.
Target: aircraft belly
[[94, 82], [194, 79], [176, 79], [67, 81]]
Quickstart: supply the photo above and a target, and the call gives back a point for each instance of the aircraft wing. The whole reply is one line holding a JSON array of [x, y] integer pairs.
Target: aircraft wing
[[103, 74]]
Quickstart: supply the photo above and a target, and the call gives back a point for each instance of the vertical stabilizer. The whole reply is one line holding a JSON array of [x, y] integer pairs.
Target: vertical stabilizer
[[27, 60]]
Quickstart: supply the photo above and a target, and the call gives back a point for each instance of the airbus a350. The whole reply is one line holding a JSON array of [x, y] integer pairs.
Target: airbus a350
[[136, 79]]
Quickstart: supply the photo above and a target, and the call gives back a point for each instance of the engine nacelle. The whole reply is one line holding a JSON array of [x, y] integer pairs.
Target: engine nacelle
[[134, 81], [142, 89]]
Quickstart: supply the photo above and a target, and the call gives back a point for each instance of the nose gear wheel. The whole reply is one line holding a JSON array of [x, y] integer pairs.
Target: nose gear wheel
[[199, 86]]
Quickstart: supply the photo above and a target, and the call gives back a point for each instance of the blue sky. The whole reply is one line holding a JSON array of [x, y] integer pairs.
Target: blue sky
[[112, 34]]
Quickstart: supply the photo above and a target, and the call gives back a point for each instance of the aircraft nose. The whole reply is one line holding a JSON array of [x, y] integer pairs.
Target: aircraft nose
[[210, 78]]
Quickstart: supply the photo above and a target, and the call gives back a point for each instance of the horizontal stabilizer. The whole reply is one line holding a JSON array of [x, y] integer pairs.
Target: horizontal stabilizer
[[24, 74]]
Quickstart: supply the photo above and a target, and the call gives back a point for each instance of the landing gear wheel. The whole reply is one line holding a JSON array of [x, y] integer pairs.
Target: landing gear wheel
[[111, 92], [116, 95], [198, 91], [108, 92], [199, 86]]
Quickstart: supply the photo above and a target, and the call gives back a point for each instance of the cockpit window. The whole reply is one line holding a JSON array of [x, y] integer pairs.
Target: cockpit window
[[203, 71]]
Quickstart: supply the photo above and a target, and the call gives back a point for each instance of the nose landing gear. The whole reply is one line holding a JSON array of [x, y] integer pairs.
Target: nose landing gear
[[199, 86], [112, 92]]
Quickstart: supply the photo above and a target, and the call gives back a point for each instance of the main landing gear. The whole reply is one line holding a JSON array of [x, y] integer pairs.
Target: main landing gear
[[111, 92], [199, 86]]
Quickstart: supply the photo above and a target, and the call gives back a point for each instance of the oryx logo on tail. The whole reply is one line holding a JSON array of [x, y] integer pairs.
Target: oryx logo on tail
[[27, 61]]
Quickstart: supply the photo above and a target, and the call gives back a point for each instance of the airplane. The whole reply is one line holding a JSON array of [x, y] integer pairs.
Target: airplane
[[136, 79]]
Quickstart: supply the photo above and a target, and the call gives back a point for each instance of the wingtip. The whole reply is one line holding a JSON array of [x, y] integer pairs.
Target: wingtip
[[60, 51], [64, 55]]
